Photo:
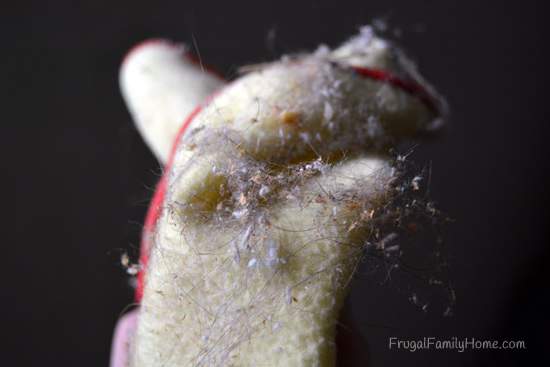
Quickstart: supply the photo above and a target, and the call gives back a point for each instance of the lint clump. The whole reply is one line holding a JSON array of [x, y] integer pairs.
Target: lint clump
[[276, 184]]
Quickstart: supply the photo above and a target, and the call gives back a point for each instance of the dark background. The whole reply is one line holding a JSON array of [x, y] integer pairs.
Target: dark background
[[84, 176]]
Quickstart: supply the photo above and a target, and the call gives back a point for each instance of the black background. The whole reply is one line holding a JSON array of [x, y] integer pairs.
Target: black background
[[84, 176]]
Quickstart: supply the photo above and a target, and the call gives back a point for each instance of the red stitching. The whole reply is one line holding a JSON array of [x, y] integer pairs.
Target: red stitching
[[409, 86]]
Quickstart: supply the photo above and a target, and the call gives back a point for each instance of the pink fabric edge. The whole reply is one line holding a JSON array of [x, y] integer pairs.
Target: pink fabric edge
[[122, 337]]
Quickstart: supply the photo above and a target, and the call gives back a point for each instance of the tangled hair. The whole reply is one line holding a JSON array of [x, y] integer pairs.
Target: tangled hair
[[278, 244], [284, 184]]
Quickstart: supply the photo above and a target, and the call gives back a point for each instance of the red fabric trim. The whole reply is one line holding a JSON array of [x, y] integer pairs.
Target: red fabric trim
[[141, 45], [155, 207], [409, 86], [189, 56]]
